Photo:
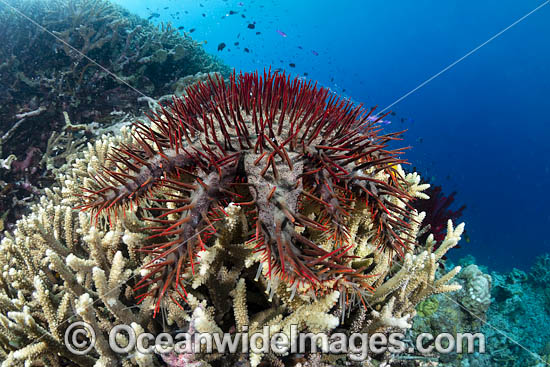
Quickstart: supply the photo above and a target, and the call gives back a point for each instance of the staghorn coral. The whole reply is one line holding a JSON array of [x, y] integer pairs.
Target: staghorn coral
[[237, 275]]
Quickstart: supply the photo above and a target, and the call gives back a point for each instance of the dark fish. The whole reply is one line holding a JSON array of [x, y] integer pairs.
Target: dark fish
[[283, 34], [202, 6], [258, 33], [192, 30], [331, 80], [242, 15], [231, 12], [221, 46], [154, 15], [306, 74], [246, 50], [180, 28], [300, 47], [165, 7], [251, 26], [393, 113], [236, 43], [292, 65], [315, 52], [204, 15]]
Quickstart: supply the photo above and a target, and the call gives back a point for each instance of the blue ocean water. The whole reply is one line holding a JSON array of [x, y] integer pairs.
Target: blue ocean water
[[482, 128]]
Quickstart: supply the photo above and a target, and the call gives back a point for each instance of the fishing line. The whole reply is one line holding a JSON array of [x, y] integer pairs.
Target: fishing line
[[483, 322], [450, 66]]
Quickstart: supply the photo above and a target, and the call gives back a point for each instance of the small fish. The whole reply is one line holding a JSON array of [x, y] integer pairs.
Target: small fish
[[231, 12], [240, 4], [257, 33], [292, 65], [203, 15], [300, 47], [251, 26], [246, 50], [154, 15], [315, 52], [306, 74], [243, 16], [281, 33], [221, 46], [192, 30], [165, 7], [180, 28], [374, 118], [236, 43]]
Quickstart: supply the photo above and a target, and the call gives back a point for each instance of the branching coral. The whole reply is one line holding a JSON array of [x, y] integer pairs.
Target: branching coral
[[249, 204], [289, 152]]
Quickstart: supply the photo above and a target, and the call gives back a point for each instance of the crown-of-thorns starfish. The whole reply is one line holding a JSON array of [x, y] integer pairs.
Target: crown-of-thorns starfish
[[273, 145]]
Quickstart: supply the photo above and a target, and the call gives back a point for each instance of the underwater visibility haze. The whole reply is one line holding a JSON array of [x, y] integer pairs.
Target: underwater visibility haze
[[220, 166]]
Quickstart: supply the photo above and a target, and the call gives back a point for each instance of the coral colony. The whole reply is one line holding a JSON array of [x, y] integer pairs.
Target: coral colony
[[285, 151], [260, 202]]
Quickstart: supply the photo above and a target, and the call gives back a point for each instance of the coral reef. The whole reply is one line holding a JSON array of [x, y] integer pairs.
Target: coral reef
[[45, 80], [457, 312], [316, 230], [540, 271], [150, 59], [514, 323], [521, 311]]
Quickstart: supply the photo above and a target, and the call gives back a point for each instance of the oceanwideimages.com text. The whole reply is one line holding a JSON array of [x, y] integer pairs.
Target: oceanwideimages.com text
[[80, 339]]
